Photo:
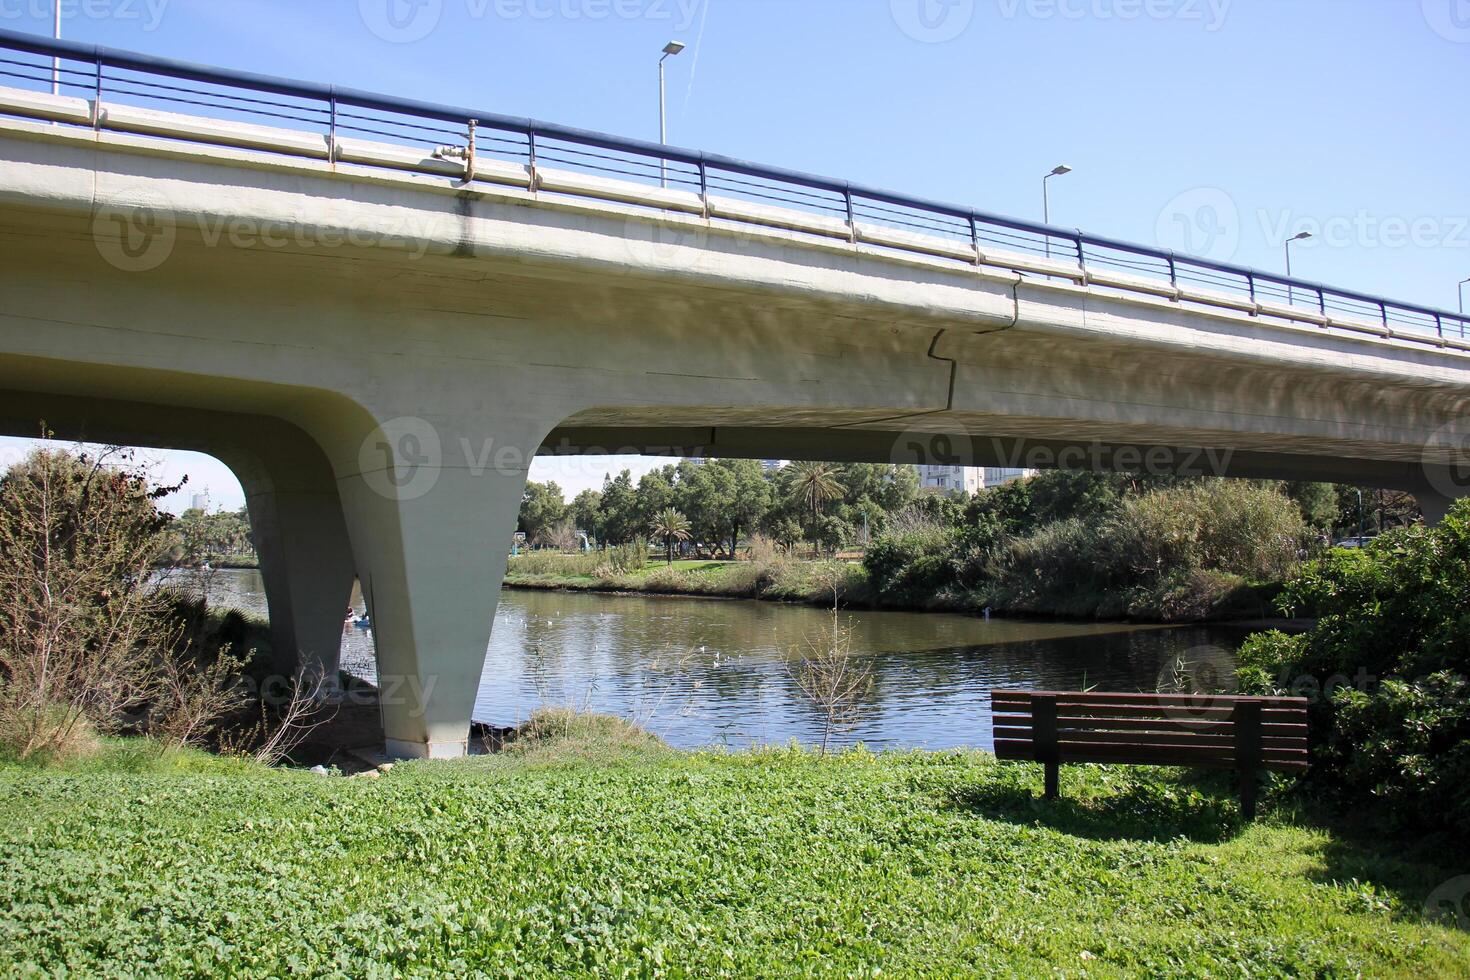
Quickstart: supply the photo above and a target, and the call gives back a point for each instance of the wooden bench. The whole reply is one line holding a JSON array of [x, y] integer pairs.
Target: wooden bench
[[1247, 734]]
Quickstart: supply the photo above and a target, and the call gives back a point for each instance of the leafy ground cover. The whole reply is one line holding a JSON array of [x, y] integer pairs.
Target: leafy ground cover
[[596, 850]]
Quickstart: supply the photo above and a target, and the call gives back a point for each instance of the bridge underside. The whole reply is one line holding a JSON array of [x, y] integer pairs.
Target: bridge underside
[[381, 367]]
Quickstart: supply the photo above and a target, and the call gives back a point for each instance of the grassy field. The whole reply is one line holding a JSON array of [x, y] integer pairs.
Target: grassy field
[[782, 580], [589, 852]]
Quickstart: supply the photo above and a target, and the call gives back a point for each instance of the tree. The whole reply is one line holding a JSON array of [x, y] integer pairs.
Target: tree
[[671, 526], [80, 626], [542, 507], [620, 522], [656, 493], [586, 513], [750, 496], [813, 485], [833, 680], [1316, 501], [705, 495]]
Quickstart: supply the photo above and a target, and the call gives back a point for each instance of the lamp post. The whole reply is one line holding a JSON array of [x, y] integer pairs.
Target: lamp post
[[56, 62], [1460, 292], [1056, 171], [1299, 237], [670, 49]]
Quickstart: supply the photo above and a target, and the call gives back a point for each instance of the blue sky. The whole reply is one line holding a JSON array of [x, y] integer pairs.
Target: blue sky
[[1215, 126]]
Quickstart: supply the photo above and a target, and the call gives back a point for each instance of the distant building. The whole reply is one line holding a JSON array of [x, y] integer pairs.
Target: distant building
[[771, 465], [967, 479], [200, 501], [951, 479], [998, 475]]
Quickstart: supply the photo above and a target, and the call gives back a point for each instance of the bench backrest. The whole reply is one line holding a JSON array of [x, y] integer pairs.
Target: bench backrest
[[1210, 730]]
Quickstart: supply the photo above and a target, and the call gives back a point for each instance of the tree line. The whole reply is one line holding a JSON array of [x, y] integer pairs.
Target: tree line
[[718, 503], [724, 501]]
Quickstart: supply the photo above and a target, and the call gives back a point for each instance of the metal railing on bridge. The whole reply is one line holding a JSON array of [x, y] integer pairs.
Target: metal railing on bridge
[[471, 144]]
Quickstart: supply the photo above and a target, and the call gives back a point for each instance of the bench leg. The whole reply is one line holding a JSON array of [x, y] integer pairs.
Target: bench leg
[[1053, 780], [1248, 785]]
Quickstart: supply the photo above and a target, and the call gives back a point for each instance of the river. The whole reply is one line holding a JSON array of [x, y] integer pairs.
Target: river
[[709, 672]]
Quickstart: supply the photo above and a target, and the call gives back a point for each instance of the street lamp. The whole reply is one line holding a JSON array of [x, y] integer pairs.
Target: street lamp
[[1460, 292], [56, 62], [670, 49], [1056, 171], [1299, 237]]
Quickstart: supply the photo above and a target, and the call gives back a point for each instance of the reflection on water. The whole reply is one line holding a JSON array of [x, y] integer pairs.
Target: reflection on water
[[706, 672]]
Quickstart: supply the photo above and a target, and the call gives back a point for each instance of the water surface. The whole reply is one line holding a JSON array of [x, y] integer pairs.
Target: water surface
[[702, 672]]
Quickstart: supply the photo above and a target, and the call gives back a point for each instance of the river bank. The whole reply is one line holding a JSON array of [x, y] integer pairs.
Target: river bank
[[593, 850], [825, 583]]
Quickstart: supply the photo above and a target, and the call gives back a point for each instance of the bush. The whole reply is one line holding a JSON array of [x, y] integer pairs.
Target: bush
[[911, 563], [1177, 554], [80, 629], [1384, 670]]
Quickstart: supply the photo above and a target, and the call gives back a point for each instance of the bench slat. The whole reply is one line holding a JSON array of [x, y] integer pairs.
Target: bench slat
[[1219, 727], [1121, 697], [1174, 755], [1023, 733]]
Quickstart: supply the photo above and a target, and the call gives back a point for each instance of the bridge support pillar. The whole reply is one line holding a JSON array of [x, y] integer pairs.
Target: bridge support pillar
[[1440, 487], [306, 565], [431, 532]]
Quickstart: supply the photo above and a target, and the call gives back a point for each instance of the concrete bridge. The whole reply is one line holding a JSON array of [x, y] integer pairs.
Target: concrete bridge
[[377, 312]]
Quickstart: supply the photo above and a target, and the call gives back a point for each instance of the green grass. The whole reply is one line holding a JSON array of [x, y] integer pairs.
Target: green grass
[[616, 855]]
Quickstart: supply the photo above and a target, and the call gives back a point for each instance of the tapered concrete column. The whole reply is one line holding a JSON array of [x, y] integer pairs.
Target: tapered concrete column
[[431, 533], [306, 564], [1434, 504]]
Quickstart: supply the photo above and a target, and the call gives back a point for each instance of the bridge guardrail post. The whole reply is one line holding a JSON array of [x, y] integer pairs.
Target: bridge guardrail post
[[531, 157], [332, 132]]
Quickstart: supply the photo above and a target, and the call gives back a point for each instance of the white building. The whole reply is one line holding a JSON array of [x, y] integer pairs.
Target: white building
[[951, 479], [967, 479]]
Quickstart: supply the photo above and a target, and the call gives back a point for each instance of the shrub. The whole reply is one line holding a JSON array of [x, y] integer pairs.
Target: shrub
[[1177, 554], [80, 629], [911, 562], [1384, 670]]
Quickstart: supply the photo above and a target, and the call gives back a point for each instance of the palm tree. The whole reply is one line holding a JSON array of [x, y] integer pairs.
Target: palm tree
[[812, 485], [672, 526]]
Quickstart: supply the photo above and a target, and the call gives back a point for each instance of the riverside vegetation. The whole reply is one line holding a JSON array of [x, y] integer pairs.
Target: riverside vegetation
[[1057, 544], [91, 644], [587, 846]]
